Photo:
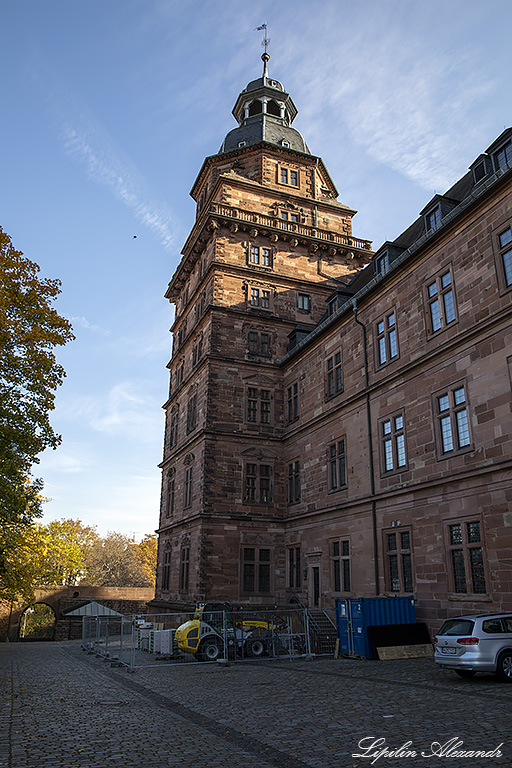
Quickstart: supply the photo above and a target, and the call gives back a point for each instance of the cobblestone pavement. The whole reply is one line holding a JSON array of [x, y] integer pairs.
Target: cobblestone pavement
[[63, 708]]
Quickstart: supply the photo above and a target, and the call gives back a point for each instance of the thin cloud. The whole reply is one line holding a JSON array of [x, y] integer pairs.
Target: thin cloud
[[84, 323], [86, 141]]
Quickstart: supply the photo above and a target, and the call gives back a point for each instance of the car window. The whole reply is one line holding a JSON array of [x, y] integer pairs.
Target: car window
[[508, 623], [457, 627], [493, 626]]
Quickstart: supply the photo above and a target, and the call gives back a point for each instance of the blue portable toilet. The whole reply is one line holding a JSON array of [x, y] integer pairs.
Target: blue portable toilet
[[355, 615]]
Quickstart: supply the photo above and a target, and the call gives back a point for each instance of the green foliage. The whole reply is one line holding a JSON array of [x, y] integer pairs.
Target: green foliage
[[116, 561], [30, 329]]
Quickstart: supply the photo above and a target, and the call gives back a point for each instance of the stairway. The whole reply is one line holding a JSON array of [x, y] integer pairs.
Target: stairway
[[322, 632]]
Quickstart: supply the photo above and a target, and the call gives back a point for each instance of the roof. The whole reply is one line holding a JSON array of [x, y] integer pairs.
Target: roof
[[90, 608]]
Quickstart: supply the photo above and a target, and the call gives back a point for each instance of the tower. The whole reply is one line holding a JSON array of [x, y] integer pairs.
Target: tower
[[270, 247]]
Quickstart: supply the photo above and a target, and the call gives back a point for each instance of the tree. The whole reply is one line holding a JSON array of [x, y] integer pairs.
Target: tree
[[30, 329], [112, 563], [146, 556], [63, 549]]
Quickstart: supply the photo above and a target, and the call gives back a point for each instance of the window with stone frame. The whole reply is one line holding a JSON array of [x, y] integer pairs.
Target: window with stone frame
[[260, 256], [466, 557], [197, 350], [337, 465], [256, 569], [440, 299], [340, 565], [453, 430], [171, 492], [386, 339], [293, 402], [258, 483], [259, 406], [288, 176], [304, 302], [184, 568], [334, 382], [294, 482], [505, 257], [192, 412], [166, 571], [173, 426], [294, 567], [258, 343], [393, 453], [259, 298], [187, 488], [398, 549]]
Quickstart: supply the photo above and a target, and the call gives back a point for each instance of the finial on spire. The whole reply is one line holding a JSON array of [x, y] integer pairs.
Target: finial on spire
[[264, 56]]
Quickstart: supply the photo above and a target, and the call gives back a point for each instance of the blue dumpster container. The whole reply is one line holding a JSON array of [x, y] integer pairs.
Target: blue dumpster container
[[355, 615]]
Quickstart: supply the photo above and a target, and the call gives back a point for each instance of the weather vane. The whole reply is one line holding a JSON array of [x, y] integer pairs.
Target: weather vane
[[266, 40]]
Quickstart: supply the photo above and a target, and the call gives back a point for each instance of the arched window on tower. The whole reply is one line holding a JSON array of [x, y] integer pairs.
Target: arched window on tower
[[273, 108], [256, 108]]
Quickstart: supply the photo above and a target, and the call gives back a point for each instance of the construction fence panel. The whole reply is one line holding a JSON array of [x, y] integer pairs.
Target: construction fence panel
[[207, 635]]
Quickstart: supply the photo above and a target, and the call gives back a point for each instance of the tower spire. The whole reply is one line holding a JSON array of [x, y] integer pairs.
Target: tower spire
[[264, 56]]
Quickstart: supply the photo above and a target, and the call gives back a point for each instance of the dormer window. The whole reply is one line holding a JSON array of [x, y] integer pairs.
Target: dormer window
[[382, 264], [503, 156], [242, 144], [480, 170], [433, 219], [285, 143]]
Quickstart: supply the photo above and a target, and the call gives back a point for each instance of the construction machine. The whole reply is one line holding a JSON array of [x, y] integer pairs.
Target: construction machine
[[213, 633]]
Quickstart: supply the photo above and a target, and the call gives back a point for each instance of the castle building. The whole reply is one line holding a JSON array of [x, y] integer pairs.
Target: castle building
[[339, 420]]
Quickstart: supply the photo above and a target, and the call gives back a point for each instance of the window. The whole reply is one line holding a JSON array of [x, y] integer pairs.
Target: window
[[166, 573], [260, 298], [287, 176], [258, 406], [192, 413], [337, 466], [341, 566], [505, 244], [453, 420], [382, 264], [242, 144], [433, 219], [187, 494], [180, 373], [294, 178], [441, 302], [334, 377], [256, 570], [259, 343], [171, 489], [173, 426], [197, 351], [393, 456], [304, 302], [294, 574], [258, 488], [502, 156], [293, 482], [184, 568], [293, 402], [466, 557], [283, 176], [399, 561], [260, 256], [387, 344]]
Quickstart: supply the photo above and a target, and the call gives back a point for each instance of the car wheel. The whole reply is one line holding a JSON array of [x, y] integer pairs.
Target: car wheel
[[255, 648], [211, 649], [504, 667], [466, 673]]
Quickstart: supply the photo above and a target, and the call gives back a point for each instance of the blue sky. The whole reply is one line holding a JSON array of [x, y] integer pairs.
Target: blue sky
[[110, 107]]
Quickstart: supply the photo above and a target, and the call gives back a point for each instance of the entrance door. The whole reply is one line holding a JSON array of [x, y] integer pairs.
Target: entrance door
[[316, 585]]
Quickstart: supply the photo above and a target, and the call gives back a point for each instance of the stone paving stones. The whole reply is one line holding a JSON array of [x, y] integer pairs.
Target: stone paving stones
[[62, 708]]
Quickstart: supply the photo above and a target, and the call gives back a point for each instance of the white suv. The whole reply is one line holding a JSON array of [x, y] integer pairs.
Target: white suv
[[479, 643]]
